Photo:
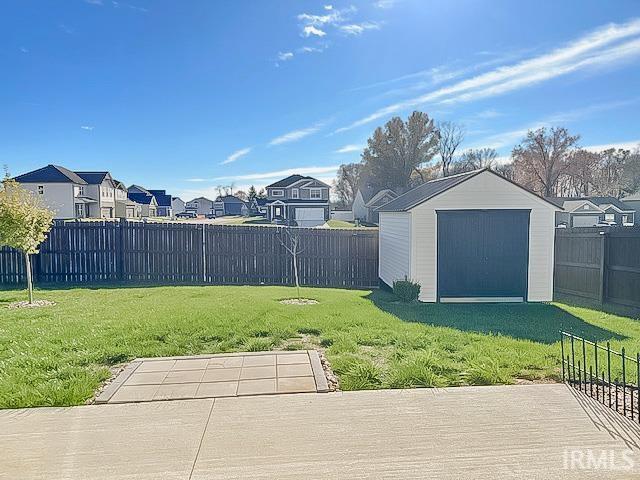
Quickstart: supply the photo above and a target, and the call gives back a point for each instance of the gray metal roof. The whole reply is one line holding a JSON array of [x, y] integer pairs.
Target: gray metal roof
[[427, 190]]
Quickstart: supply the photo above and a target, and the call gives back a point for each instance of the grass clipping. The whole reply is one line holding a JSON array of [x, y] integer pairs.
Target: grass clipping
[[299, 301]]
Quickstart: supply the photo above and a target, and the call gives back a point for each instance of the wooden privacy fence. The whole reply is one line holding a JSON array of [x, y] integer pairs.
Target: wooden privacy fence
[[186, 253], [599, 265]]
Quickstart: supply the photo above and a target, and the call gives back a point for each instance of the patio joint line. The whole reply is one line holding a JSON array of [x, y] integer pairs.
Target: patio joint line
[[204, 431]]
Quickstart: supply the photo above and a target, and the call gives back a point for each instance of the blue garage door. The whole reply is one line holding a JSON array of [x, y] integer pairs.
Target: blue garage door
[[483, 255]]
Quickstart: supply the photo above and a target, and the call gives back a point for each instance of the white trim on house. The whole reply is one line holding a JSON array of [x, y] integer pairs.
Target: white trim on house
[[317, 190], [280, 190]]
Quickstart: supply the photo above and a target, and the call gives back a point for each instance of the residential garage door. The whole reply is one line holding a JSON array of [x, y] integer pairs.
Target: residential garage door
[[309, 217], [585, 220], [483, 255]]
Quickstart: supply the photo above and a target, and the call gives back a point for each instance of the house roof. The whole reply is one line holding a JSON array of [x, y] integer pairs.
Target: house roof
[[430, 189], [291, 179], [162, 198], [380, 195], [200, 198], [140, 189], [93, 178], [142, 198], [297, 201], [602, 202], [229, 199], [50, 174]]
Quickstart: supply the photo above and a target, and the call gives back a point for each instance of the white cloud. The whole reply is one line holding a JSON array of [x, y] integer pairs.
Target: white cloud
[[93, 2], [236, 155], [24, 49], [295, 135], [284, 56], [272, 175], [309, 30], [87, 127], [488, 114], [384, 3], [594, 50], [358, 28], [627, 145], [328, 7], [310, 50], [350, 149]]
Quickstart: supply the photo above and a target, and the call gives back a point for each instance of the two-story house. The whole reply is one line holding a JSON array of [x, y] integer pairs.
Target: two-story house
[[162, 203], [200, 206], [229, 205], [298, 199], [74, 194], [177, 205], [589, 211]]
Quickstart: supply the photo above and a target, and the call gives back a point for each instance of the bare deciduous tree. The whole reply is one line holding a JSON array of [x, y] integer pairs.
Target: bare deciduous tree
[[347, 182], [450, 136], [543, 158], [474, 159], [291, 239]]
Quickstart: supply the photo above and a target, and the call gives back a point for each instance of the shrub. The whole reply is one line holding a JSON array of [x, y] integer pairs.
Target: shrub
[[406, 290]]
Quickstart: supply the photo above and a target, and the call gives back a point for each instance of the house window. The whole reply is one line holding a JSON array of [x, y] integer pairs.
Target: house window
[[79, 210], [40, 189], [625, 219], [277, 193], [315, 194], [80, 190], [609, 217], [295, 193]]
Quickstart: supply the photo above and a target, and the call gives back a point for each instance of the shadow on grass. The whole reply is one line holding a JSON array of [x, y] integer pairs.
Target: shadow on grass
[[538, 322]]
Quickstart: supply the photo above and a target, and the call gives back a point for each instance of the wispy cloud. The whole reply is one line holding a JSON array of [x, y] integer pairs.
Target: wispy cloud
[[66, 29], [87, 127], [24, 49], [358, 28], [284, 56], [236, 155], [385, 3], [296, 135], [313, 170], [627, 145], [94, 2], [511, 137], [601, 48], [309, 30], [350, 149]]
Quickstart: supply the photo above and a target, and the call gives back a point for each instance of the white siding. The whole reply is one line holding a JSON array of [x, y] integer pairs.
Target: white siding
[[58, 197], [358, 208], [395, 249], [484, 191]]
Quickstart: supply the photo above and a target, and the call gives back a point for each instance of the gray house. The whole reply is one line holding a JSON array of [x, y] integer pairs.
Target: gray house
[[589, 211], [633, 201], [229, 205], [200, 206], [299, 199], [365, 205]]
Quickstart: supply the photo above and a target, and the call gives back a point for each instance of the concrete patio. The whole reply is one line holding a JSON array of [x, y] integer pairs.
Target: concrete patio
[[472, 432], [211, 376]]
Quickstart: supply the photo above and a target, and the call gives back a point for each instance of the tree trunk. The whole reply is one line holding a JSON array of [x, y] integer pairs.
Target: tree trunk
[[27, 264], [295, 274]]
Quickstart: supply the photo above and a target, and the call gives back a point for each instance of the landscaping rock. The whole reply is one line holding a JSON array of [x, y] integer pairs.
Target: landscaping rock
[[299, 301]]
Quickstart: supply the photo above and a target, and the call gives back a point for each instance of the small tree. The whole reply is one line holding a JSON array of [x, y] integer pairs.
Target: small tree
[[24, 223], [290, 239]]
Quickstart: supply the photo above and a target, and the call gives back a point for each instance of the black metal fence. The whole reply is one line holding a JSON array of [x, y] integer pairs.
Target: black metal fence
[[599, 265], [175, 253], [611, 377]]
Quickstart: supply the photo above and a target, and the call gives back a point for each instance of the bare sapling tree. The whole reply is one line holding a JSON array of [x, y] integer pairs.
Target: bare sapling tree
[[291, 239], [24, 223]]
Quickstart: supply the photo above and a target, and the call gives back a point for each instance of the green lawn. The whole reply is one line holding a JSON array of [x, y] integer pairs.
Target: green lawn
[[59, 355]]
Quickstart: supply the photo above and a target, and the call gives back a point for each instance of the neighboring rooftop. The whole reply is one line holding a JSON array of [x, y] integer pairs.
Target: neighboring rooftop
[[290, 180], [142, 198], [93, 178], [50, 174], [599, 201]]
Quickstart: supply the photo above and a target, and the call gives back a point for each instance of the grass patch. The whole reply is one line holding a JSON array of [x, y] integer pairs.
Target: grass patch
[[60, 355]]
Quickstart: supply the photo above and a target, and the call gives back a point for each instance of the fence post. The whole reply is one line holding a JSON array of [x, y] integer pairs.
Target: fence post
[[204, 254], [120, 249], [603, 265]]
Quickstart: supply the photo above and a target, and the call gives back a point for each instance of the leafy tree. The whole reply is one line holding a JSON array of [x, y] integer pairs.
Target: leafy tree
[[543, 158], [347, 182], [252, 194], [24, 223], [450, 136], [399, 150]]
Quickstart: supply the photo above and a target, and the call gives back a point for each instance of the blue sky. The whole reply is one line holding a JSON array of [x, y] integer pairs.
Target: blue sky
[[188, 95]]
